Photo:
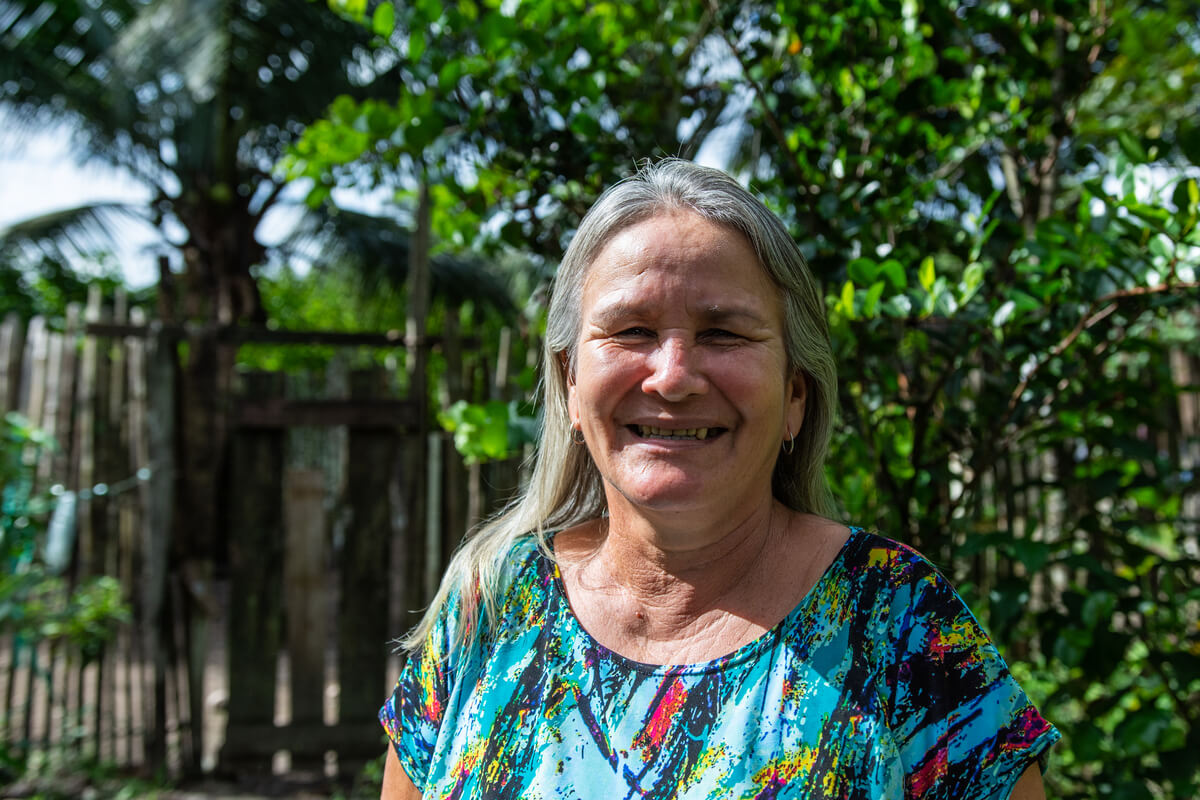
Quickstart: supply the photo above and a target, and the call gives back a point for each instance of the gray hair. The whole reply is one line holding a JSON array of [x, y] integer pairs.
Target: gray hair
[[565, 488]]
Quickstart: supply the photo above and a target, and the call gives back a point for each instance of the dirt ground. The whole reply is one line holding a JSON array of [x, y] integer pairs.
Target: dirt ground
[[243, 790], [265, 788]]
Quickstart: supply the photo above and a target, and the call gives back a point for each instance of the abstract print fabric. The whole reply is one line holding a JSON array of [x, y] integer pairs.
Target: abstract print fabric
[[879, 684]]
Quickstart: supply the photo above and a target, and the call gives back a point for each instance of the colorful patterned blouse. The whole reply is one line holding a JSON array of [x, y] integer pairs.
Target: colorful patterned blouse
[[880, 684]]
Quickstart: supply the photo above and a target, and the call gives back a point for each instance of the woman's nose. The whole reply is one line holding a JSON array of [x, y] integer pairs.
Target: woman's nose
[[674, 374]]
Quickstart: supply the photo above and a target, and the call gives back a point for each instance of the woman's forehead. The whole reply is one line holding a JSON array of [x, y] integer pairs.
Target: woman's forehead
[[677, 247]]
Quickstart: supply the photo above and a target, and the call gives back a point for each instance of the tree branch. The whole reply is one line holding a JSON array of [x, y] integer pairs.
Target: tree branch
[[761, 95], [1100, 309]]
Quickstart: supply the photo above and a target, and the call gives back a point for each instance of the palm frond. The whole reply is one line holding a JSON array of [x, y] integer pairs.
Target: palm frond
[[377, 248], [71, 232]]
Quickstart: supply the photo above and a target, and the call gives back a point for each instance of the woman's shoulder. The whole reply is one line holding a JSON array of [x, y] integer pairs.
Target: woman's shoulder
[[521, 561], [525, 581], [871, 553], [881, 578]]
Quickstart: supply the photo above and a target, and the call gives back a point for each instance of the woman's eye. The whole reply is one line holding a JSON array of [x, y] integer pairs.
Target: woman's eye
[[720, 334]]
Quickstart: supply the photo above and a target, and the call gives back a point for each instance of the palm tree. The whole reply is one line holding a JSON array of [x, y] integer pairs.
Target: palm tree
[[197, 99]]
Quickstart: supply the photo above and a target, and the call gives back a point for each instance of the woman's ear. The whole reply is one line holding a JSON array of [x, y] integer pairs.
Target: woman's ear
[[797, 401], [564, 362]]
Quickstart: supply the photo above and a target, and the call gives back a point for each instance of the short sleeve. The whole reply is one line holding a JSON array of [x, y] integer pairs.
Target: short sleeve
[[412, 716], [963, 726]]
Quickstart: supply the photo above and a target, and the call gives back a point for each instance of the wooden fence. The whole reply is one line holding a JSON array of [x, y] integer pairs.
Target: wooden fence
[[339, 512], [326, 535], [91, 396]]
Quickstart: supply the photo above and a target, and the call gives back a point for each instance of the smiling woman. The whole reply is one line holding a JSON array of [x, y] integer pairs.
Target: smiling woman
[[668, 611]]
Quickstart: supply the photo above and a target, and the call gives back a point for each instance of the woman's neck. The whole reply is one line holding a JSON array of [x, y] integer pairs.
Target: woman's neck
[[656, 596], [690, 568]]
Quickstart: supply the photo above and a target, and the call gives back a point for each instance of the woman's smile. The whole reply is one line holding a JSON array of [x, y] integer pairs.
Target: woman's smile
[[676, 434]]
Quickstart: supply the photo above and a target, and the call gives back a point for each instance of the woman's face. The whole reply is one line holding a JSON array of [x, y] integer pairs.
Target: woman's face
[[680, 381]]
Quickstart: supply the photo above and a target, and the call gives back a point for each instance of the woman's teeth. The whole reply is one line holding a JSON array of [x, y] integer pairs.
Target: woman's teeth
[[669, 433]]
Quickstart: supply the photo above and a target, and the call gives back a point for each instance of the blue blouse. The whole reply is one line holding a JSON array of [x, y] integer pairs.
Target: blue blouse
[[879, 684]]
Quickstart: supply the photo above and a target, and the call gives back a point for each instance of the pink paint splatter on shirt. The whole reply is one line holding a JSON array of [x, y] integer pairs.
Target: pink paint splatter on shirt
[[662, 717], [924, 779]]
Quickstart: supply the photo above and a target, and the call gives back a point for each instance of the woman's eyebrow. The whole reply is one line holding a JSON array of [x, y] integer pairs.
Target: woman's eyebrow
[[622, 310], [716, 314], [607, 313]]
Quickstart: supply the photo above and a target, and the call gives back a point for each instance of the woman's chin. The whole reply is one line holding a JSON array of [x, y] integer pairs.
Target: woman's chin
[[678, 495]]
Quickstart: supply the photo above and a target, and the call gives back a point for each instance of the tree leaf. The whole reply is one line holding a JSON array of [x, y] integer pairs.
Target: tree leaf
[[383, 22], [926, 274]]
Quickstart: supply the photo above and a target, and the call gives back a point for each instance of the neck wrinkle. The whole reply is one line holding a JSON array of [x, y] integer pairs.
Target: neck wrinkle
[[679, 586]]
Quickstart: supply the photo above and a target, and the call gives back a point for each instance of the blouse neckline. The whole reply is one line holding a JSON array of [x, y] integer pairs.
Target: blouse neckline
[[742, 654]]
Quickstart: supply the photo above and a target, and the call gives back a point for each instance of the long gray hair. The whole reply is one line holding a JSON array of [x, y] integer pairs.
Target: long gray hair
[[565, 487]]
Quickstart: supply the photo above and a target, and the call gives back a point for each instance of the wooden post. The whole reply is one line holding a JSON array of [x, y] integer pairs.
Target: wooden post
[[103, 530], [116, 382], [20, 689], [50, 413], [156, 453], [500, 378], [362, 619], [413, 550], [111, 465], [458, 477], [11, 331], [503, 476], [36, 369], [33, 384], [434, 525], [306, 596], [90, 553], [131, 511], [64, 462], [255, 524], [85, 435], [200, 538]]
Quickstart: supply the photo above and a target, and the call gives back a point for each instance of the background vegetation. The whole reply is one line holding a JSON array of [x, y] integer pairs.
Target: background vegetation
[[1000, 199]]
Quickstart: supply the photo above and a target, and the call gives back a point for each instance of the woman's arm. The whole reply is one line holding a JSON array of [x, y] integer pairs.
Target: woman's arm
[[398, 786], [1029, 785]]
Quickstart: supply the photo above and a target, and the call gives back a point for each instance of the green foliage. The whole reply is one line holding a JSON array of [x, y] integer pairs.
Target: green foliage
[[490, 431], [329, 300], [20, 507], [368, 781], [339, 299], [1005, 341], [47, 287], [61, 774], [496, 104], [1001, 203]]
